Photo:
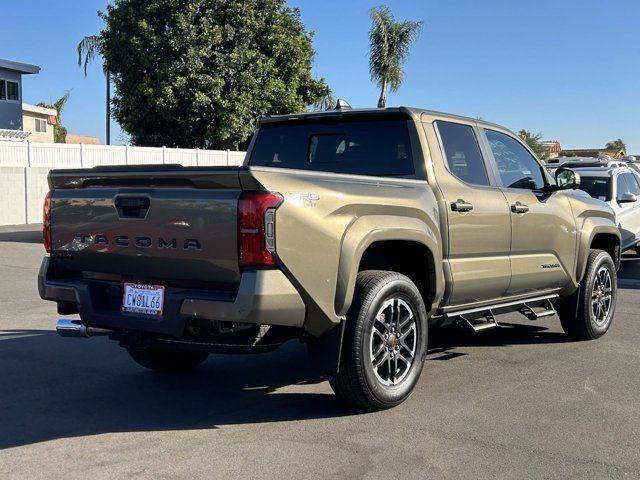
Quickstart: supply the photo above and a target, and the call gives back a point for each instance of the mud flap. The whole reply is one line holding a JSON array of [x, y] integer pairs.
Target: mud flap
[[575, 302], [570, 304], [325, 351]]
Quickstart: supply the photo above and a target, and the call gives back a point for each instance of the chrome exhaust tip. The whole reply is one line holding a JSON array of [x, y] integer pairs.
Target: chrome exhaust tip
[[71, 328], [76, 329]]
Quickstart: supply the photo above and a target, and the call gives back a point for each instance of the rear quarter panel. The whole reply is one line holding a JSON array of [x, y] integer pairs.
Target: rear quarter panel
[[326, 222]]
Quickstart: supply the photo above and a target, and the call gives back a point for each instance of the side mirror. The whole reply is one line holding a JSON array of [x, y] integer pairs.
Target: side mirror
[[567, 179], [627, 198]]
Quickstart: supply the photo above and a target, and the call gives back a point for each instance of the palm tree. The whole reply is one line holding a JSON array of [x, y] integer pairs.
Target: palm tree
[[89, 48], [59, 132], [390, 42], [326, 102], [617, 144]]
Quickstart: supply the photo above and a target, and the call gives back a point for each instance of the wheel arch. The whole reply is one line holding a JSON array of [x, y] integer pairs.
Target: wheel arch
[[391, 243], [603, 237]]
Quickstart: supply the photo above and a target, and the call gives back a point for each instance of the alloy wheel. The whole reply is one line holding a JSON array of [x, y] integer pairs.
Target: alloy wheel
[[393, 341], [601, 296]]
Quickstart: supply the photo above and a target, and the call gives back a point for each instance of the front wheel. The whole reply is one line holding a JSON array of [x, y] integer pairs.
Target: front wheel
[[166, 359], [596, 302], [385, 342]]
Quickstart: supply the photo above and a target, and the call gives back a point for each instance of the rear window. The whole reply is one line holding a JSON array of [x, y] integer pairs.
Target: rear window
[[378, 147], [597, 187], [463, 153]]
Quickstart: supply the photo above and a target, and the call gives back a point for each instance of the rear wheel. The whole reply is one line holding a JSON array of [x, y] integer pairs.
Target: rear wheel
[[166, 359], [596, 300], [385, 342]]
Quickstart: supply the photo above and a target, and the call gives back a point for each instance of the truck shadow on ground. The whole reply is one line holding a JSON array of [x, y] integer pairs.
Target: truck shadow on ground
[[629, 269], [445, 343], [53, 388], [22, 236]]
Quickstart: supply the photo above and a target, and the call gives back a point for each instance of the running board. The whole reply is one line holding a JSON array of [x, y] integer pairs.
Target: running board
[[496, 306], [483, 318]]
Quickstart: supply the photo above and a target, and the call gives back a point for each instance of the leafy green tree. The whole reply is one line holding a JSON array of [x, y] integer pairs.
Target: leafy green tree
[[617, 144], [197, 73], [88, 49], [534, 142], [389, 45], [59, 132]]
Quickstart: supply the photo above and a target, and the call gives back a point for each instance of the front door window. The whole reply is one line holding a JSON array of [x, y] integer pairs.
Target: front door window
[[517, 167]]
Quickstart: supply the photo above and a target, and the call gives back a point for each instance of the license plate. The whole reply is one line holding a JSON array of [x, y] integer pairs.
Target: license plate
[[140, 298]]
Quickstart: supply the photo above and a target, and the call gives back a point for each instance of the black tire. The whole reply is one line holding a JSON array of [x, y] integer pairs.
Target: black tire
[[166, 359], [357, 381], [586, 320], [637, 249]]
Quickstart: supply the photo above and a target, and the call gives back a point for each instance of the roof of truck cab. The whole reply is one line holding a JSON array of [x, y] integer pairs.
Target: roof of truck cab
[[412, 111]]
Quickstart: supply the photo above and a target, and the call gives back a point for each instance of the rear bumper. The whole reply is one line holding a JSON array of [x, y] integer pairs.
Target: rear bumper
[[264, 297]]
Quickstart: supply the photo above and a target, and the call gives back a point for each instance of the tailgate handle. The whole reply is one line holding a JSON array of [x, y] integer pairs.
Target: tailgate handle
[[132, 207]]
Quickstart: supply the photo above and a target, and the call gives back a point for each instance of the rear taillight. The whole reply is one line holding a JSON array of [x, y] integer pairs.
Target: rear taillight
[[46, 222], [256, 228]]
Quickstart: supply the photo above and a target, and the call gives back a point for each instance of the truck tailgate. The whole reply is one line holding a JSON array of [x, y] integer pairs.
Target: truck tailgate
[[153, 224]]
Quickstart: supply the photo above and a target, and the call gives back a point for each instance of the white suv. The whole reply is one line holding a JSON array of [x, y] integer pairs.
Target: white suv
[[620, 188]]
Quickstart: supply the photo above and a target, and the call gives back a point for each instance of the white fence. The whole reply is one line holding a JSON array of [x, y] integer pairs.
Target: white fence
[[60, 155], [24, 167]]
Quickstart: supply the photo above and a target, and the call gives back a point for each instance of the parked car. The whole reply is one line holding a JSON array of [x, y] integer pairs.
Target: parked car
[[603, 161], [618, 186], [632, 162], [355, 231], [594, 163], [552, 164]]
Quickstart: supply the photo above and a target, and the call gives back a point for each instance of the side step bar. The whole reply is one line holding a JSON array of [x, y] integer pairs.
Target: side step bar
[[76, 329], [479, 324], [484, 318], [547, 311]]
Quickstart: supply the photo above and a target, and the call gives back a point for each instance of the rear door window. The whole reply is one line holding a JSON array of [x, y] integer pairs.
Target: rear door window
[[462, 152], [363, 146]]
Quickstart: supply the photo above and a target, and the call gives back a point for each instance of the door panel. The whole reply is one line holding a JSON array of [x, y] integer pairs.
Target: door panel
[[477, 217], [543, 231], [543, 241]]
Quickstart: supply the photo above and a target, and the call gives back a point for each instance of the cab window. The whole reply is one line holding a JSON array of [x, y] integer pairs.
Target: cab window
[[358, 145], [626, 183], [517, 167], [463, 153]]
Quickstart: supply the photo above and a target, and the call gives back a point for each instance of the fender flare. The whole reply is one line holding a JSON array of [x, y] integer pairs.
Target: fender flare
[[601, 227], [369, 229]]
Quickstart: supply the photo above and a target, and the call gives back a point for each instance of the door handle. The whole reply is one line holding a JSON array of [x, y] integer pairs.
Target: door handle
[[461, 206], [519, 208]]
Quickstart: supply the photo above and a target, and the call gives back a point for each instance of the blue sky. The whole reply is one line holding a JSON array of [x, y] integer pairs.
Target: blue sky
[[567, 68]]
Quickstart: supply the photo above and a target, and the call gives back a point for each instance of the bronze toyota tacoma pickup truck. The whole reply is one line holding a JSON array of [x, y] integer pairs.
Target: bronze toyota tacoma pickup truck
[[353, 230]]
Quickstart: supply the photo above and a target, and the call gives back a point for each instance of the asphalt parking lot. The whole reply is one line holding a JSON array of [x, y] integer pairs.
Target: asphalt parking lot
[[518, 402]]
